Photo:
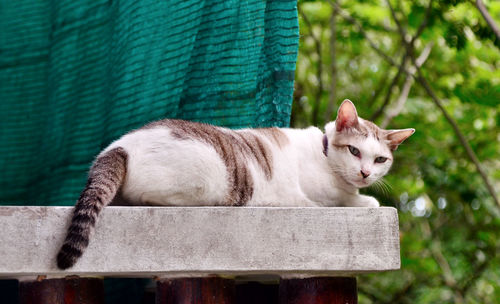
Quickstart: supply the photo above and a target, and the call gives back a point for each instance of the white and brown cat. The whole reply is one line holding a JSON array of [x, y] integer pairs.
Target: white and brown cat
[[181, 163]]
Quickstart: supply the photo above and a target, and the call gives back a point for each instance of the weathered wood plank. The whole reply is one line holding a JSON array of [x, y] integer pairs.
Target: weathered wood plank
[[320, 290], [58, 291], [210, 290], [149, 241]]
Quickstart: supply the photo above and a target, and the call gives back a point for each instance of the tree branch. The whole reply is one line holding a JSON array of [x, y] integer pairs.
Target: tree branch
[[381, 53], [371, 295], [400, 102], [422, 25], [437, 255], [486, 15], [398, 296], [423, 82], [468, 149], [475, 274], [378, 90], [358, 26], [402, 31], [393, 83]]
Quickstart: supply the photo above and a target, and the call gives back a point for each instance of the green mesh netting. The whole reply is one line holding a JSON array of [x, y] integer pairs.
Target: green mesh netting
[[75, 74]]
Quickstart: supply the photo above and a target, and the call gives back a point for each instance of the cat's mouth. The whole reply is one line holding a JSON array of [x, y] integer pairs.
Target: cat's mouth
[[357, 183], [361, 183]]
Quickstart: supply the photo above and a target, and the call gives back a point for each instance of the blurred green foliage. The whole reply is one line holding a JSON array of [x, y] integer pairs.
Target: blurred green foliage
[[450, 225]]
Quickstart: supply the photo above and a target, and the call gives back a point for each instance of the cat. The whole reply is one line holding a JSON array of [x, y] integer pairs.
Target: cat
[[181, 163]]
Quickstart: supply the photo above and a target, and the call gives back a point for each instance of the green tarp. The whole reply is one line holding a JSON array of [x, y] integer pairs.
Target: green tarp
[[75, 75]]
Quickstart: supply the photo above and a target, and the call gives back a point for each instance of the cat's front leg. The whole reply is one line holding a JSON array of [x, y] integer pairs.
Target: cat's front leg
[[363, 201]]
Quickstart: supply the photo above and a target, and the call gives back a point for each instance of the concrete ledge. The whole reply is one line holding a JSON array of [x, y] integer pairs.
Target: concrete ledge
[[155, 241]]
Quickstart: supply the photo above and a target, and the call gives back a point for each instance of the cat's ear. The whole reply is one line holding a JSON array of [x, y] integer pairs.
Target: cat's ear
[[396, 137], [347, 117]]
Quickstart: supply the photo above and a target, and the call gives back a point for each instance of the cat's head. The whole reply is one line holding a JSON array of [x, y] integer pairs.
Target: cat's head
[[358, 150]]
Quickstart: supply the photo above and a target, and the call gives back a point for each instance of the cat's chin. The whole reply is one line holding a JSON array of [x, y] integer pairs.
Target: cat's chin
[[361, 183], [356, 183]]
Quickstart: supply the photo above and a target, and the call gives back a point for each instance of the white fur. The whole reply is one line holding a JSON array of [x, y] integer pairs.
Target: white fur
[[163, 170]]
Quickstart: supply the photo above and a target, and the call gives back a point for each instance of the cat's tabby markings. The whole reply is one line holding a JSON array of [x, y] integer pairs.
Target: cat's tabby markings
[[175, 162], [105, 177], [234, 148]]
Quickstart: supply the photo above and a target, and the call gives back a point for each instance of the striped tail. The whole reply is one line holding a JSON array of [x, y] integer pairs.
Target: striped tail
[[105, 178]]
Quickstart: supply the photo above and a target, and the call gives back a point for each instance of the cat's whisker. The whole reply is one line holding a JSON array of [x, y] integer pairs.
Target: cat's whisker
[[382, 187], [386, 186]]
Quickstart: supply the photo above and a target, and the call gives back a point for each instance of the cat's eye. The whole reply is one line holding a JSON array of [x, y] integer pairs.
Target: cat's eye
[[380, 159], [354, 151]]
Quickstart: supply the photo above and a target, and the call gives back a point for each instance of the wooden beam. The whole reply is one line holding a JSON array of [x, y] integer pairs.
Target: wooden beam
[[208, 290], [320, 290], [62, 291], [198, 241]]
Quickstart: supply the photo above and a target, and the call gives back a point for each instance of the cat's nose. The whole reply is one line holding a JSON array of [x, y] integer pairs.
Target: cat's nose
[[365, 174]]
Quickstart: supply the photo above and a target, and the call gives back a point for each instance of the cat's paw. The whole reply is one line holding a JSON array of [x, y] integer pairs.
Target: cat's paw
[[366, 201], [371, 202]]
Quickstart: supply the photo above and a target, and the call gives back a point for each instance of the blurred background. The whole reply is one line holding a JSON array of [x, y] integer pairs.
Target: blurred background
[[433, 66], [75, 75]]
